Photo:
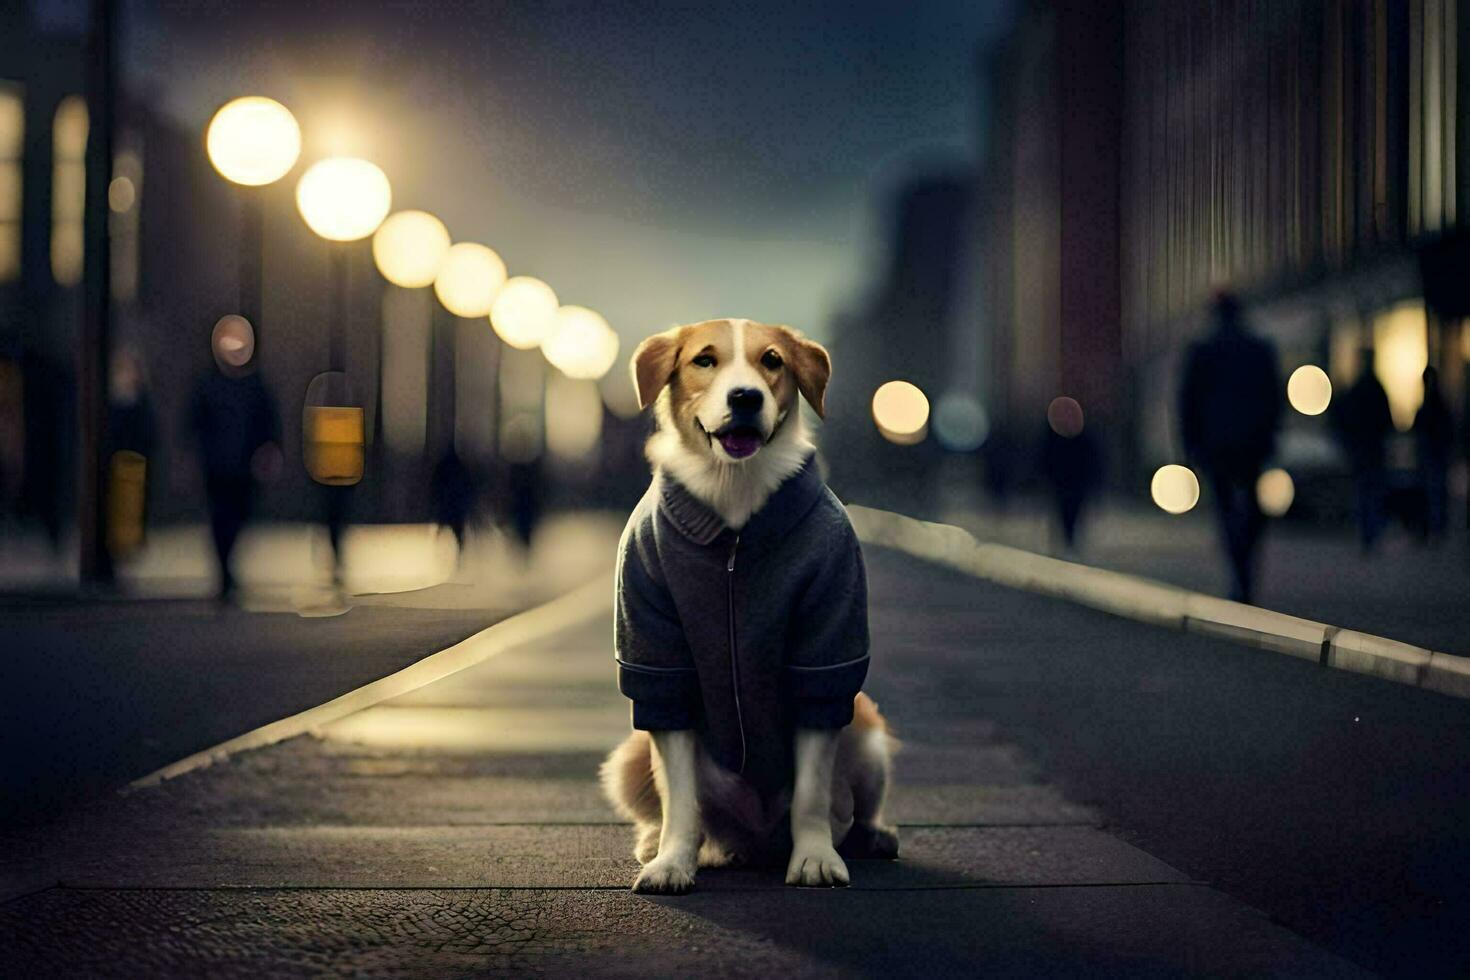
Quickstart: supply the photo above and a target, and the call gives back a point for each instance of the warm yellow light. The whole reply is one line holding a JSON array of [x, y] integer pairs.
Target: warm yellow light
[[581, 344], [524, 312], [1175, 488], [1401, 352], [469, 279], [1309, 390], [901, 412], [343, 199], [253, 141], [409, 247], [1274, 492]]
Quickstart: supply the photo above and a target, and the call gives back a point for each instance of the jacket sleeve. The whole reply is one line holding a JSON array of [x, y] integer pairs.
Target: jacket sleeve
[[827, 657], [655, 667]]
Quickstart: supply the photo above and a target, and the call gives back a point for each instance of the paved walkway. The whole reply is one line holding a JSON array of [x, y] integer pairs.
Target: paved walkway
[[458, 830], [95, 693]]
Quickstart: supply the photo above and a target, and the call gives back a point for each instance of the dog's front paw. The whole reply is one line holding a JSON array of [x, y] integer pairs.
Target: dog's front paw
[[665, 876], [816, 865]]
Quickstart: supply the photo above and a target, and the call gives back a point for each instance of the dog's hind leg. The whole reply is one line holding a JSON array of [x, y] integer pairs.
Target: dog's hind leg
[[865, 758]]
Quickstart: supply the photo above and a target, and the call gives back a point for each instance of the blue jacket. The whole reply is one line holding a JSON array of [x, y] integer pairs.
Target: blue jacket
[[742, 637]]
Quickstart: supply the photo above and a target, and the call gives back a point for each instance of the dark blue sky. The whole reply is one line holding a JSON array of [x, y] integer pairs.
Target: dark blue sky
[[655, 161]]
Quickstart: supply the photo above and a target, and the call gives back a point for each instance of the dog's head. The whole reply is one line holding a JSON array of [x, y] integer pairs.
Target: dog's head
[[729, 384]]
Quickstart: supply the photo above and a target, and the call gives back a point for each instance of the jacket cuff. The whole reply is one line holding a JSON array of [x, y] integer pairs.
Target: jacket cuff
[[824, 712], [838, 681], [664, 698]]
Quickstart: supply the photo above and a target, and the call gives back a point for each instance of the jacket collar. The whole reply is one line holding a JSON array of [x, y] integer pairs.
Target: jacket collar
[[698, 522]]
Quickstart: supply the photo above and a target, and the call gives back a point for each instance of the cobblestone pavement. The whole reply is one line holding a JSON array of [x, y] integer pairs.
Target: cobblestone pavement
[[458, 830]]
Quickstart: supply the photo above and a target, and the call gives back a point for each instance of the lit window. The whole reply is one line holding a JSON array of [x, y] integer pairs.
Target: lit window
[[12, 140], [68, 189]]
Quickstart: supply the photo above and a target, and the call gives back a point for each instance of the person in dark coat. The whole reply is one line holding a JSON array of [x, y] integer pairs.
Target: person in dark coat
[[1434, 440], [1071, 464], [1230, 405], [1365, 423], [234, 418]]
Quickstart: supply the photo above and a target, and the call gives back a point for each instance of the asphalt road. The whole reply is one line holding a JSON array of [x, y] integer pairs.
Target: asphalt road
[[1078, 794], [1339, 804]]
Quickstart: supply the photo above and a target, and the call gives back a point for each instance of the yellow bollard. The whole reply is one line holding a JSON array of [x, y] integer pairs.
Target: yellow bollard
[[334, 444], [127, 486]]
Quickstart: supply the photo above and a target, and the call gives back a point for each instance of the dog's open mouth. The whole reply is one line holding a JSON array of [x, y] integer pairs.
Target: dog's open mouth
[[740, 441]]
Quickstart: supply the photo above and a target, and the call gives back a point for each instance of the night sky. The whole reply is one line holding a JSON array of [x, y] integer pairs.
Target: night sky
[[658, 162]]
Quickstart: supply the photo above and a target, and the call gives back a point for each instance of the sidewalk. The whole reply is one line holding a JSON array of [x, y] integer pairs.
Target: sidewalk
[[95, 693], [458, 830], [1403, 591]]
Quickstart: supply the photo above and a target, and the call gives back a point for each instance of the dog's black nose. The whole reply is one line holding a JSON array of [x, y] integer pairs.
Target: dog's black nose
[[745, 400]]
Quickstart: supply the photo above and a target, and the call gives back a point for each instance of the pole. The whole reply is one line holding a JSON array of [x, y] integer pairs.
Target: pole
[[92, 353], [337, 342], [252, 259]]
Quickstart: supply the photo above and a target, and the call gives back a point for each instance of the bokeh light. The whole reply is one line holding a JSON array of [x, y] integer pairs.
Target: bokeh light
[[581, 344], [573, 417], [1309, 390], [901, 412], [1401, 346], [253, 141], [122, 194], [1275, 492], [1175, 488], [1065, 417], [469, 278], [409, 247], [960, 422], [524, 312], [343, 199]]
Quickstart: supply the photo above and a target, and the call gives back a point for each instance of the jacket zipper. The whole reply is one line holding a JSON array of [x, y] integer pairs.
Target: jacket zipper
[[734, 658]]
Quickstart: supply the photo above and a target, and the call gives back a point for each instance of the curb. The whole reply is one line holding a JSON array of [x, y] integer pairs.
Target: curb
[[1153, 602], [591, 599]]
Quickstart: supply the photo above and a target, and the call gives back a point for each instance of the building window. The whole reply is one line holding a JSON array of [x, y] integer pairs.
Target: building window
[[12, 148], [68, 189]]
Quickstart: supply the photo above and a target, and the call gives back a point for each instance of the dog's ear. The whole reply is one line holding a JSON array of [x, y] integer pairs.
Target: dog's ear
[[653, 364], [812, 367]]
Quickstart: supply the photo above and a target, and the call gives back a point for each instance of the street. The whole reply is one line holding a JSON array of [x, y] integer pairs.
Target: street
[[1077, 794]]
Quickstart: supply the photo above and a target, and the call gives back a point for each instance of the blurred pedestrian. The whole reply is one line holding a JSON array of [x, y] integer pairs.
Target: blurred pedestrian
[[1434, 440], [1230, 407], [235, 422], [1071, 465], [454, 494], [1365, 423]]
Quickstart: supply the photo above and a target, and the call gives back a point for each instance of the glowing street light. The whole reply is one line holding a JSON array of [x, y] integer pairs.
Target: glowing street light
[[343, 199], [409, 247], [581, 344], [901, 412], [469, 278], [253, 141], [1175, 489], [524, 312], [1309, 390]]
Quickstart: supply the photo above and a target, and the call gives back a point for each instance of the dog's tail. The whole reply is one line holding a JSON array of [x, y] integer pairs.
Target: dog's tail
[[627, 779]]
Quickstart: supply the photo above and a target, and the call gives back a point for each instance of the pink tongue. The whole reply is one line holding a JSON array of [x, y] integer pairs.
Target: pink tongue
[[740, 444]]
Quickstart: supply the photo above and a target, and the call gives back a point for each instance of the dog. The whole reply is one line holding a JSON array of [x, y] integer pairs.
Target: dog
[[734, 471]]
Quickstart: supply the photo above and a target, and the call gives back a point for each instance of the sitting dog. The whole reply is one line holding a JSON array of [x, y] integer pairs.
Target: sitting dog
[[741, 624]]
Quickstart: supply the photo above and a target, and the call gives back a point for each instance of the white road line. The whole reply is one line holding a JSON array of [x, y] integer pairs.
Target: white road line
[[577, 606]]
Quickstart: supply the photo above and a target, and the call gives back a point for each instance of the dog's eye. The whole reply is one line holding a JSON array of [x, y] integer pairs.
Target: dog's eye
[[704, 360], [771, 360]]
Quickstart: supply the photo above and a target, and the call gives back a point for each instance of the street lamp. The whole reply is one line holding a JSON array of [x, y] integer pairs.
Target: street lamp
[[409, 247], [343, 200], [469, 278], [524, 312], [252, 142], [581, 344]]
